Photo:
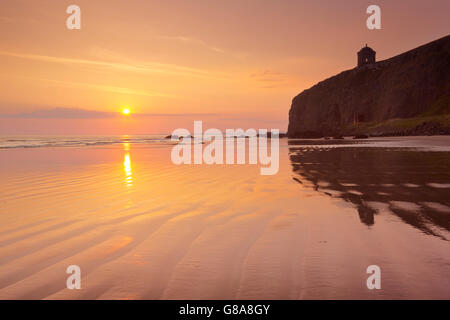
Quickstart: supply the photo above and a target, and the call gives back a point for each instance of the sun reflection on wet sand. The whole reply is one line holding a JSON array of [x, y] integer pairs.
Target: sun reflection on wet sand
[[127, 166]]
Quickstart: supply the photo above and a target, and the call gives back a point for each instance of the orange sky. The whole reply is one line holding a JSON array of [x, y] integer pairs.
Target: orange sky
[[228, 63]]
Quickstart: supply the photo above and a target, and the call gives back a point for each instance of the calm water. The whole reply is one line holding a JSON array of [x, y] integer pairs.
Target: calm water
[[142, 228]]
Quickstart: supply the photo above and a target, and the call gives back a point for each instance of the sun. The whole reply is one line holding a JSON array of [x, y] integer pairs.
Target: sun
[[126, 111]]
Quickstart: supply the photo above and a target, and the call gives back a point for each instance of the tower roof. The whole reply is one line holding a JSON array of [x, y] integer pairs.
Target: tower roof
[[366, 49]]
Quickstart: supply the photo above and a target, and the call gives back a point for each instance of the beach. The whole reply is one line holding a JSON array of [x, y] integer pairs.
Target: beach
[[141, 227]]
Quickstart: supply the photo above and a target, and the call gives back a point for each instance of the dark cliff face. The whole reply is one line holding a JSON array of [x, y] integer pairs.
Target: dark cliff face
[[409, 85]]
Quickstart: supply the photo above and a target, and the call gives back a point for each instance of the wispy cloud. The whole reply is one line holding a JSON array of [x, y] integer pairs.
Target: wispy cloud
[[78, 113], [193, 41], [105, 88], [270, 79], [61, 113], [5, 19], [112, 89], [138, 67]]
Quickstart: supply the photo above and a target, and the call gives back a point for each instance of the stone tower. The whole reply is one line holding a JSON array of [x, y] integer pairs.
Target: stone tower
[[366, 56]]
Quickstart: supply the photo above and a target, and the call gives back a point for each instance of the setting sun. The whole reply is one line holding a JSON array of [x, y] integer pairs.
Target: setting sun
[[126, 111]]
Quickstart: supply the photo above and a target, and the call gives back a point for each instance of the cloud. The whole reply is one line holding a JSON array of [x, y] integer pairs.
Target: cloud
[[189, 40], [139, 67], [5, 19], [254, 119], [62, 113], [270, 79], [106, 88], [78, 113], [113, 89], [177, 114]]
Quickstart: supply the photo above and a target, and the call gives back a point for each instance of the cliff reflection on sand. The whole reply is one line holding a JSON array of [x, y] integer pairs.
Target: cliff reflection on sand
[[414, 185]]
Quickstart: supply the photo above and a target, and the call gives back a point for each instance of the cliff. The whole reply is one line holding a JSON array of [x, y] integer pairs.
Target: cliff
[[404, 95]]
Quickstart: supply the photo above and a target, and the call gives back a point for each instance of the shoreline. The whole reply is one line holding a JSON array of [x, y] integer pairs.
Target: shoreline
[[408, 127]]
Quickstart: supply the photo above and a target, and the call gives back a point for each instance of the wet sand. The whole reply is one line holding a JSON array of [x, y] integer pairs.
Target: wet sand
[[142, 228]]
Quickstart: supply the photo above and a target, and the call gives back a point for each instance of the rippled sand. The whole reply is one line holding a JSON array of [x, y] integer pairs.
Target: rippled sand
[[142, 228]]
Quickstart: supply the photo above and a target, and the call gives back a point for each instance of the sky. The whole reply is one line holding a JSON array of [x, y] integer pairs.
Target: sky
[[231, 64]]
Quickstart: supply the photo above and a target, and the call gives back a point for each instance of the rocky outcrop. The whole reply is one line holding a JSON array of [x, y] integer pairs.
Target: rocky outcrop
[[412, 85]]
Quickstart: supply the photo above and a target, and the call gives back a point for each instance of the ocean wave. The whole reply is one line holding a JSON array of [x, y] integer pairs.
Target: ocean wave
[[50, 142]]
